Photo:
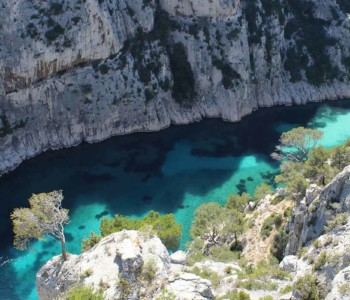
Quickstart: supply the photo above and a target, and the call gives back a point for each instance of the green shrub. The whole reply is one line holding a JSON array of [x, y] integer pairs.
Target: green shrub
[[277, 200], [262, 191], [125, 288], [83, 293], [206, 273], [274, 220], [285, 290], [321, 260], [184, 84], [279, 244], [266, 298], [166, 295], [223, 254], [103, 69], [149, 271], [344, 289], [86, 88], [253, 285], [53, 33], [86, 273], [308, 288], [336, 220], [165, 226], [237, 295], [229, 75], [90, 242]]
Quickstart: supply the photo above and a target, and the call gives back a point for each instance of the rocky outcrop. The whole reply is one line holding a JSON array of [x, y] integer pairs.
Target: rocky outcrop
[[256, 246], [340, 286], [86, 70], [327, 258], [189, 286], [311, 217], [217, 9], [126, 264]]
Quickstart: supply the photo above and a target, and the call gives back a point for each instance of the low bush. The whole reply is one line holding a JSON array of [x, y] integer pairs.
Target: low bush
[[274, 220], [308, 288], [149, 271], [83, 293]]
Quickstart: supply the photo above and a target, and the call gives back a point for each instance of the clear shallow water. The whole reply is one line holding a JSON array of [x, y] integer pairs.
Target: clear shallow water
[[175, 170]]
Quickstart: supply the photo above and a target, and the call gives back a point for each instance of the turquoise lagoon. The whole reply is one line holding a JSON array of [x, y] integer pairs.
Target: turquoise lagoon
[[175, 171]]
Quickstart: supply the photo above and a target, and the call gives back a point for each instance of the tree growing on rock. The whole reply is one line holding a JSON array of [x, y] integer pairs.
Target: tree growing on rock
[[165, 226], [217, 225], [45, 217], [296, 144]]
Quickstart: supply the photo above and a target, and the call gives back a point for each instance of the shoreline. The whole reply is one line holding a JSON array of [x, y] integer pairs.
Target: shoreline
[[5, 172]]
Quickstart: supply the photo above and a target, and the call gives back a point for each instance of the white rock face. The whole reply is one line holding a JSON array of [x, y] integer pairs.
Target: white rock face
[[289, 263], [217, 9], [179, 257], [311, 193], [120, 255], [92, 31], [332, 270], [86, 71], [340, 286], [189, 286], [310, 220]]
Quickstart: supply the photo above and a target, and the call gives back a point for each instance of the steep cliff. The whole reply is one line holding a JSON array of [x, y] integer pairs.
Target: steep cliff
[[73, 71], [124, 265], [319, 209]]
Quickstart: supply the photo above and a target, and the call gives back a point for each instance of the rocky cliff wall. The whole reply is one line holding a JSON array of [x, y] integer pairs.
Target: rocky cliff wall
[[319, 209], [74, 71]]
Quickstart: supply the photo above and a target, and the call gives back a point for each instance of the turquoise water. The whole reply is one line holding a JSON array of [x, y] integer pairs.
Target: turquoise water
[[175, 171]]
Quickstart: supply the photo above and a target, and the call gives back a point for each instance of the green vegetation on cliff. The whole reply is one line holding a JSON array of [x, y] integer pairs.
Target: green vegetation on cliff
[[165, 226]]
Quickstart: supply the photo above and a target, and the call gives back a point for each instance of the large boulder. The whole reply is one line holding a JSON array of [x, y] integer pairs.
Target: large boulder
[[179, 257], [188, 286], [289, 263]]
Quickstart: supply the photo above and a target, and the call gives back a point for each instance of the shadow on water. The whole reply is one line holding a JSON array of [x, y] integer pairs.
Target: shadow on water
[[89, 168], [126, 173]]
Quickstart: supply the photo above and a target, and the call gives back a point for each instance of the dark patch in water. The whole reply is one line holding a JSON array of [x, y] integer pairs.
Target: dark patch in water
[[114, 164], [69, 237], [101, 214], [250, 178], [241, 187], [147, 199], [89, 177], [146, 178], [81, 227], [269, 178]]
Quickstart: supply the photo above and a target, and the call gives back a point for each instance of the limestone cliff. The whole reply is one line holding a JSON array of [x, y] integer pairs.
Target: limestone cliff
[[124, 265], [318, 210], [73, 71]]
